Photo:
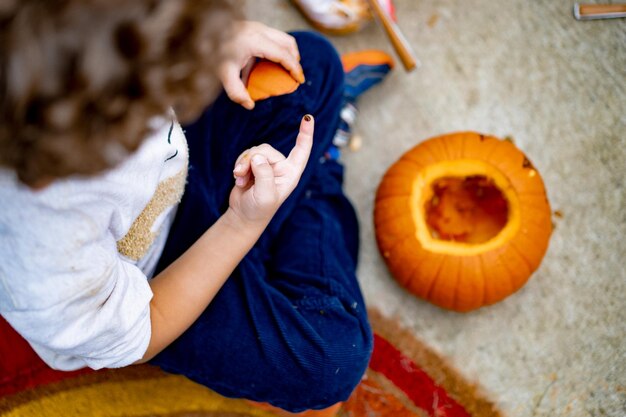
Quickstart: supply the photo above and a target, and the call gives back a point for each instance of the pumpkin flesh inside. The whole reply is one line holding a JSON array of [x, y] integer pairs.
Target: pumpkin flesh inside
[[491, 225], [466, 209]]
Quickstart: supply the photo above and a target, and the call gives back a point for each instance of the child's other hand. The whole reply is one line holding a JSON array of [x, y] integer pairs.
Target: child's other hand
[[255, 40], [264, 178]]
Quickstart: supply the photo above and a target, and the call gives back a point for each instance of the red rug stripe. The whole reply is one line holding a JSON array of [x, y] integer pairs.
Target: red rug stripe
[[20, 367], [413, 381]]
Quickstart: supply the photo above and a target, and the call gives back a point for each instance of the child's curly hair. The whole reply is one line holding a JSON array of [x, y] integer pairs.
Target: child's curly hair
[[79, 79]]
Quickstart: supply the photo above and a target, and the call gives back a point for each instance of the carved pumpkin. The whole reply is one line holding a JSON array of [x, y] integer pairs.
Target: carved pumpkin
[[462, 220]]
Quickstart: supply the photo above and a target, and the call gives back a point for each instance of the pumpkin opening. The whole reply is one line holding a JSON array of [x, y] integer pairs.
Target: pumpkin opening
[[468, 209]]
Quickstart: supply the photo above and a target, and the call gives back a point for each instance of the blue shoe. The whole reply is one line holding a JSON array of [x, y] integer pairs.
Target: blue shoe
[[363, 70]]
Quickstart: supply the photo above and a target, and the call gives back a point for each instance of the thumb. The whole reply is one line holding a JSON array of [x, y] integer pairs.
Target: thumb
[[233, 85], [264, 189]]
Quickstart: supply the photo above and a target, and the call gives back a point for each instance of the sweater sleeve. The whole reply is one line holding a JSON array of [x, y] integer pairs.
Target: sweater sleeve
[[67, 291]]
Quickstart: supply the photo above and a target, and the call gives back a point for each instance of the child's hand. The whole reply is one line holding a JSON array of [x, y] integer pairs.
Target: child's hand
[[255, 40], [264, 178]]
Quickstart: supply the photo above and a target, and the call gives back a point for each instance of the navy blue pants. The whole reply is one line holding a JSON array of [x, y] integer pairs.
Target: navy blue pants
[[289, 327]]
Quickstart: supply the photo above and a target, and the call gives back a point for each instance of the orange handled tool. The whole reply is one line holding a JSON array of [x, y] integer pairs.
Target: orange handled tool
[[399, 42], [599, 11]]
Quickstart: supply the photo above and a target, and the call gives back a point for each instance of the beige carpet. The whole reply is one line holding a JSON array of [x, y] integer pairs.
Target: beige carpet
[[525, 69]]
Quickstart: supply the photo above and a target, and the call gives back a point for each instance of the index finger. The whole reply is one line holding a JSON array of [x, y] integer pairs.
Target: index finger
[[299, 155], [288, 42], [281, 55]]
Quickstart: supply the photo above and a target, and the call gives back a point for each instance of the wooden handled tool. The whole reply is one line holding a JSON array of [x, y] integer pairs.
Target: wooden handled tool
[[399, 42], [599, 11]]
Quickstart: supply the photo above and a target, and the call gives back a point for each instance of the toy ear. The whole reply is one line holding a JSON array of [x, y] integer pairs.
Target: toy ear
[[268, 79]]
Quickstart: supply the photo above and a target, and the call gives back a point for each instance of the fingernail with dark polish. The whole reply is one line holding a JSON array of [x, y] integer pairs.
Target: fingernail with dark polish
[[308, 118]]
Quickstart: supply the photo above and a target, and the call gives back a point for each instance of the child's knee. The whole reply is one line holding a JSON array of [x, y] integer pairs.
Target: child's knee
[[321, 64], [312, 45]]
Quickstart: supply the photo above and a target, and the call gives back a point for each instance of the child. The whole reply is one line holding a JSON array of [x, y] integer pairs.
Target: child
[[123, 237]]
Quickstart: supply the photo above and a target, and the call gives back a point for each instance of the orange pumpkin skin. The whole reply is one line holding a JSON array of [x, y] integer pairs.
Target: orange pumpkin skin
[[410, 215], [268, 79]]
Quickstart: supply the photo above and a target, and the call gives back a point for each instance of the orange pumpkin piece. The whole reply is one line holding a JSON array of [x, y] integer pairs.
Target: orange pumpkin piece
[[268, 79], [462, 220]]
